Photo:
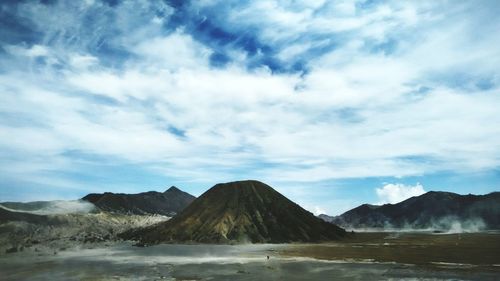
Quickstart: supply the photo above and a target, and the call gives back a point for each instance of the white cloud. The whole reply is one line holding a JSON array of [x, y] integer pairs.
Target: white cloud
[[83, 61], [397, 192], [318, 211], [173, 52], [32, 52], [355, 114]]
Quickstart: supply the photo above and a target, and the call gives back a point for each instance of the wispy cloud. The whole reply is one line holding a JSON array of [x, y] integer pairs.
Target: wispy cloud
[[205, 91]]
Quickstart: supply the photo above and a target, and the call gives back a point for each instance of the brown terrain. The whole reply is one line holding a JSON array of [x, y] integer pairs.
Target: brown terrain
[[464, 250]]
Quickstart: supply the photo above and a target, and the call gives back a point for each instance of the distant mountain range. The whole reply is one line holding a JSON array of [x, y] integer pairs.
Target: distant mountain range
[[236, 212], [167, 203], [96, 218], [432, 210]]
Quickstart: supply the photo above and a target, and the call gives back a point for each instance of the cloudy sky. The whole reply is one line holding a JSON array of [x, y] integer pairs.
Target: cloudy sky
[[333, 103]]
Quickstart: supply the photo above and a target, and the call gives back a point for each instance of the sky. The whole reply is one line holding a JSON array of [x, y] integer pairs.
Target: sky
[[332, 103]]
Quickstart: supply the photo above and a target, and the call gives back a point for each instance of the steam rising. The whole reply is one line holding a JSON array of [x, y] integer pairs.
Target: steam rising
[[456, 226], [446, 225], [51, 207]]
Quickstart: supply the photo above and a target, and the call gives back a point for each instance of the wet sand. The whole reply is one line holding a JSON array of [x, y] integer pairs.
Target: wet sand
[[122, 261]]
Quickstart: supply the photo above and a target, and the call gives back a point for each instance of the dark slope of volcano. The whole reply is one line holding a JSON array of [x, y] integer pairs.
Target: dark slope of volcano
[[432, 210], [239, 212], [168, 203]]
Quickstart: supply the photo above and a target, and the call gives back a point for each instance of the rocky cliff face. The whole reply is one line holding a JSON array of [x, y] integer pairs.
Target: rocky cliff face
[[20, 230]]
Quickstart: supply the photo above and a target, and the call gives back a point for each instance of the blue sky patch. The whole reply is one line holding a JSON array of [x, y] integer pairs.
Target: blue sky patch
[[328, 102]]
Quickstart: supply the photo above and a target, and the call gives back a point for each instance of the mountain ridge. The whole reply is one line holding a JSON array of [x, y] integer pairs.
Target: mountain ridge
[[168, 203], [433, 210]]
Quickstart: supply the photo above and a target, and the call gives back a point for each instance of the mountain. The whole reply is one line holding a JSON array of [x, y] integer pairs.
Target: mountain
[[239, 212], [10, 215], [19, 230], [432, 210], [168, 203]]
